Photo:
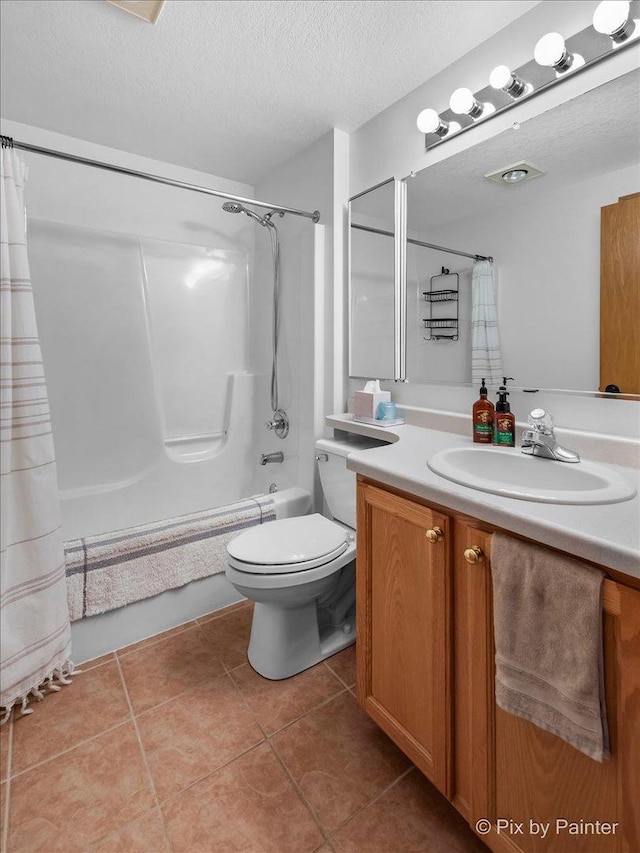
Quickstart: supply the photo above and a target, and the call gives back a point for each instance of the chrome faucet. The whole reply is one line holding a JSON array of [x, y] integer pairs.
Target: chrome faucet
[[266, 458], [540, 439]]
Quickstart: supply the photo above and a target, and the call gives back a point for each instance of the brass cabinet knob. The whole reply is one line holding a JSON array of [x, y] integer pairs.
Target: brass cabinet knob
[[474, 554], [434, 534]]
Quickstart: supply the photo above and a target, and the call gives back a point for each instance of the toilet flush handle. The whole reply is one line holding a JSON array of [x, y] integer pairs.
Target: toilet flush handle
[[322, 457]]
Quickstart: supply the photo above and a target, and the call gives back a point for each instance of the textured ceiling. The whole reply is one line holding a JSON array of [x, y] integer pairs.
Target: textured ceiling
[[231, 87], [593, 134]]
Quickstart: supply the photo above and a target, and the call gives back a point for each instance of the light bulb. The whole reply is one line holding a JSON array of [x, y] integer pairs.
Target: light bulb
[[514, 176], [503, 78], [430, 122], [551, 52], [463, 102], [611, 18]]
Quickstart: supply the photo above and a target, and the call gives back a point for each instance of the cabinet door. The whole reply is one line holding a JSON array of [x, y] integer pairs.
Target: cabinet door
[[403, 645], [522, 773]]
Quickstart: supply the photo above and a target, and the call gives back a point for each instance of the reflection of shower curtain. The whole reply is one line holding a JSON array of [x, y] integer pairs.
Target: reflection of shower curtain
[[34, 621], [486, 357]]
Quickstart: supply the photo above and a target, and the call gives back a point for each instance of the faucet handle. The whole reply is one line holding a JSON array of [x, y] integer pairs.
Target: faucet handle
[[541, 421]]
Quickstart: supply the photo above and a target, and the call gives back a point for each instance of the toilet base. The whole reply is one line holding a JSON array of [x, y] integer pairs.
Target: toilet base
[[286, 641]]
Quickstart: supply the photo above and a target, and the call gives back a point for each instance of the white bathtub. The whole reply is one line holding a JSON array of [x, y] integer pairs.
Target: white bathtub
[[97, 635]]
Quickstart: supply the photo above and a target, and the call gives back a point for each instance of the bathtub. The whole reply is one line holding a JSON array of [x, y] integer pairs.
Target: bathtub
[[98, 635]]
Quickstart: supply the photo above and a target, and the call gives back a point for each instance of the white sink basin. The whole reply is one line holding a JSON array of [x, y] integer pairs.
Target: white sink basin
[[507, 471]]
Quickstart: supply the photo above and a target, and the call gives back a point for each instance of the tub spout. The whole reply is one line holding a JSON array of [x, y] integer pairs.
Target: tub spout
[[266, 458]]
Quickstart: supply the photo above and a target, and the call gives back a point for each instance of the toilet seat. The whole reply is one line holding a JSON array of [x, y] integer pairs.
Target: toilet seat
[[289, 545]]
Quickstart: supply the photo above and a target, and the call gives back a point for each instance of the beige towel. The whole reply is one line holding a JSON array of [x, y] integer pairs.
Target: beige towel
[[548, 635]]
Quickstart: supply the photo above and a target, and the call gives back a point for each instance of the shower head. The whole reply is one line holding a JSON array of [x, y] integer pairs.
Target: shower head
[[235, 207], [232, 207]]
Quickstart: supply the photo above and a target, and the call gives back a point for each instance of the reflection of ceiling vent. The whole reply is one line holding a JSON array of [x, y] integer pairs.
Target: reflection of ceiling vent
[[517, 173], [148, 10]]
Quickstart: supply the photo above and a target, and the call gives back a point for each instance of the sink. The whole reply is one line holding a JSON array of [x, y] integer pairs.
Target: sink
[[507, 471]]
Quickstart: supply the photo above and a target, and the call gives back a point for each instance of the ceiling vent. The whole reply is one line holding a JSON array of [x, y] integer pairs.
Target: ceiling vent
[[516, 173], [148, 10]]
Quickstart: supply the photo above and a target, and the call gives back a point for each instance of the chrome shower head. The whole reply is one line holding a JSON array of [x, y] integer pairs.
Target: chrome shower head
[[232, 207], [236, 207]]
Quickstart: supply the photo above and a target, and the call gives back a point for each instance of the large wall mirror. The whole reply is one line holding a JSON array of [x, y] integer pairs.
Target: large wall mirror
[[544, 237], [377, 282]]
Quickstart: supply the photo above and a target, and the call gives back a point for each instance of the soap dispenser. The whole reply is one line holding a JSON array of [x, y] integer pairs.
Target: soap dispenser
[[505, 422], [483, 418]]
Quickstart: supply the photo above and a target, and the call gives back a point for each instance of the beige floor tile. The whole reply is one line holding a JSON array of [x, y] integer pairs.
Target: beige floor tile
[[156, 638], [187, 738], [93, 702], [230, 636], [277, 703], [340, 759], [91, 664], [144, 835], [166, 669], [411, 816], [73, 801], [217, 614], [248, 806], [344, 665]]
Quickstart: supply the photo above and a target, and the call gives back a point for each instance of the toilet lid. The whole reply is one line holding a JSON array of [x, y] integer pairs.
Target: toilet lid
[[302, 540]]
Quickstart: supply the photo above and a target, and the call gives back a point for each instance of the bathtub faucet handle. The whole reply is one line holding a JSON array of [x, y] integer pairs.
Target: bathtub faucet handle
[[279, 424]]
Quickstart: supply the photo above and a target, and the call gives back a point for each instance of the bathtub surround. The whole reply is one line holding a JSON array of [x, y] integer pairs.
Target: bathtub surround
[[108, 571], [35, 638]]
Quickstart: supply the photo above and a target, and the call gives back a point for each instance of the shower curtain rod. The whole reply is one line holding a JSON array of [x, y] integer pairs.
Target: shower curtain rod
[[8, 142], [425, 245]]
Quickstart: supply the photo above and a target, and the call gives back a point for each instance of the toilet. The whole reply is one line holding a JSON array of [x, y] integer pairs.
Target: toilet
[[300, 572]]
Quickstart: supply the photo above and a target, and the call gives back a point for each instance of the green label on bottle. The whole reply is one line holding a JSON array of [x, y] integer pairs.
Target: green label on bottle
[[505, 438], [482, 428]]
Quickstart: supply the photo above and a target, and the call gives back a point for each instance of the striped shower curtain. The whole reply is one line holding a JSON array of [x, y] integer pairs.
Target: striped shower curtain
[[35, 639], [486, 355]]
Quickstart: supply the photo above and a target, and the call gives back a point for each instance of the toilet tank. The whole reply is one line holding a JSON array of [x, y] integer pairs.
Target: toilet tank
[[338, 483]]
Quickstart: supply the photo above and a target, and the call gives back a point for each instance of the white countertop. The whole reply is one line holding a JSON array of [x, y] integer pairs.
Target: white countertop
[[608, 534]]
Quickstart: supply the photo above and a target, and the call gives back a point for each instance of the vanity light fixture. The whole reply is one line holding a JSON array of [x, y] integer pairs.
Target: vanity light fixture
[[464, 103], [553, 61], [612, 18], [502, 77], [551, 52], [430, 122]]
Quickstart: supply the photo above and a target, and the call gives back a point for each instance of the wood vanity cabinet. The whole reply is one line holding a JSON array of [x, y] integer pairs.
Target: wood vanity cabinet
[[427, 677]]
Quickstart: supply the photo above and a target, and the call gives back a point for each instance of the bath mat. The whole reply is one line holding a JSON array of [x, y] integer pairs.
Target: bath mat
[[117, 568]]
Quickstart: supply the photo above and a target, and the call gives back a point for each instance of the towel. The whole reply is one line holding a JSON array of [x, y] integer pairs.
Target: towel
[[113, 569], [548, 636]]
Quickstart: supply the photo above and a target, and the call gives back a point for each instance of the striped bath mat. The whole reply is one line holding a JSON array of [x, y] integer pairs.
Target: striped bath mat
[[112, 569]]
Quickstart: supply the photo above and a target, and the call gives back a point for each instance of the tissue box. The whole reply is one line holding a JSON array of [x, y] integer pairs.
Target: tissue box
[[365, 404]]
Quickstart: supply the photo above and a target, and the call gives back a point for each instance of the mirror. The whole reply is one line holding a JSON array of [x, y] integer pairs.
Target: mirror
[[544, 234], [372, 294]]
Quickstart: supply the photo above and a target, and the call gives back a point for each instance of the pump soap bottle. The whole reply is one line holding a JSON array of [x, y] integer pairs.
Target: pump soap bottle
[[483, 418], [505, 422]]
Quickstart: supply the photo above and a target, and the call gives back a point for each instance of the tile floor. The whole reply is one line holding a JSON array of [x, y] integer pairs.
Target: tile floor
[[175, 743]]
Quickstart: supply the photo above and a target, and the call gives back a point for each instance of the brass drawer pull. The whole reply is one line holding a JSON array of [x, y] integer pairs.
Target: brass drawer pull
[[474, 554], [434, 534]]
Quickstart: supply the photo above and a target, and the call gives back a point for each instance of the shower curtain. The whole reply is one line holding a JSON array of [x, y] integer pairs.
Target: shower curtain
[[486, 357], [35, 638]]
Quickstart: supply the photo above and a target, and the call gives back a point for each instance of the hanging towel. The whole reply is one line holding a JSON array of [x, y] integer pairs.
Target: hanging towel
[[486, 356], [35, 637], [113, 569], [548, 635]]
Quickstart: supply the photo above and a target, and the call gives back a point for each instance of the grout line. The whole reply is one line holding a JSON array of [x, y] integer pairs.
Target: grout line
[[341, 680], [340, 692], [300, 793], [371, 802], [154, 639], [144, 754], [69, 749], [4, 842]]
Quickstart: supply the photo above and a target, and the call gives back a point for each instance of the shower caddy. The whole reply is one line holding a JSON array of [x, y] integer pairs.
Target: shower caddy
[[448, 324]]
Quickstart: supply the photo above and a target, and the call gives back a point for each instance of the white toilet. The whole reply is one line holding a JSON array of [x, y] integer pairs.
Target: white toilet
[[301, 573]]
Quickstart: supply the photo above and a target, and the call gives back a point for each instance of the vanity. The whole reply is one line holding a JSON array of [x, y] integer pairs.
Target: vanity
[[425, 651]]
